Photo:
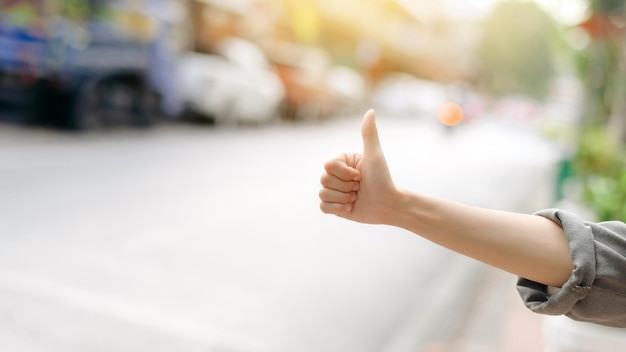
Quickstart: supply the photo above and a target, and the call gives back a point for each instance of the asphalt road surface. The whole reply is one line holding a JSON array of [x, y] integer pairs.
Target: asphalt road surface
[[195, 238]]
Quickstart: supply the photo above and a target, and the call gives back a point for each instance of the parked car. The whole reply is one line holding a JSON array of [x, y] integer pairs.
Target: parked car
[[349, 89], [404, 94], [237, 84]]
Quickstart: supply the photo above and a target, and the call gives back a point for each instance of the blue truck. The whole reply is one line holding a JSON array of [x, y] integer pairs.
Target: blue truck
[[81, 64]]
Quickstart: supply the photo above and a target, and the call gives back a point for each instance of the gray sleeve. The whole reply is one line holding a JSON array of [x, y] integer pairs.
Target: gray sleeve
[[596, 290]]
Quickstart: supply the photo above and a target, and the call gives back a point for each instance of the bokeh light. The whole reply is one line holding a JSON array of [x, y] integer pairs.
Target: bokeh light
[[450, 113]]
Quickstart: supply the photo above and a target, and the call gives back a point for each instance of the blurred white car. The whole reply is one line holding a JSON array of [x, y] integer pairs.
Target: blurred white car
[[406, 95], [237, 85], [349, 88]]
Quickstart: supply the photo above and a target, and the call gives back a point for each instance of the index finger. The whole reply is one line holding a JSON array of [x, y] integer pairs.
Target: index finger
[[343, 167]]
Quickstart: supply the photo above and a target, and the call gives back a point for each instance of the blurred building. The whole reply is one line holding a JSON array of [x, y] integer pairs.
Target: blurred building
[[417, 37], [377, 36]]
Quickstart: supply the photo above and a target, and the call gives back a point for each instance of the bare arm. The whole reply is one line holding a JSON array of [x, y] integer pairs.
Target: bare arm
[[359, 187], [529, 246]]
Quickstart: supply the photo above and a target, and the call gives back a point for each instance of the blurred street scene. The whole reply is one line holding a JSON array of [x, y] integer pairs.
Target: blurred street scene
[[160, 163], [91, 64]]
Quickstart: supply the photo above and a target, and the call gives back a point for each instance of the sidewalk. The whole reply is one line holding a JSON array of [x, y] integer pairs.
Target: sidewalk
[[475, 308], [521, 330], [499, 321]]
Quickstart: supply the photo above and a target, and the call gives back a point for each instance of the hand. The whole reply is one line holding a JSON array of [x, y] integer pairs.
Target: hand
[[358, 186]]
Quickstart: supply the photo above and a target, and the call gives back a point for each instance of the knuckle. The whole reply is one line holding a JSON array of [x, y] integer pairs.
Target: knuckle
[[324, 207], [324, 179], [329, 164]]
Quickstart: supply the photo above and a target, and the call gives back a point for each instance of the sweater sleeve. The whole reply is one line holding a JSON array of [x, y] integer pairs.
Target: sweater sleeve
[[596, 289]]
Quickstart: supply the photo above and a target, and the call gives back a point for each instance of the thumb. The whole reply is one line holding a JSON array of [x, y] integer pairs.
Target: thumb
[[371, 143]]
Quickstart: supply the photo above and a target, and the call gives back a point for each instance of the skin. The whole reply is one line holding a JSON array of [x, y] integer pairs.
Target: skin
[[359, 187]]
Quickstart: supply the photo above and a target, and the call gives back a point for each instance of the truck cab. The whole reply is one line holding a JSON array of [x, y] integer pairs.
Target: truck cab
[[83, 64]]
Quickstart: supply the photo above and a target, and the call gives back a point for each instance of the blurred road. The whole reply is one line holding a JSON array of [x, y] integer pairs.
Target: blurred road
[[192, 238]]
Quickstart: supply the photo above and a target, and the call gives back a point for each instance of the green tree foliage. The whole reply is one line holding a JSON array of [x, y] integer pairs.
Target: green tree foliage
[[607, 6], [600, 161], [516, 50], [600, 164], [601, 63]]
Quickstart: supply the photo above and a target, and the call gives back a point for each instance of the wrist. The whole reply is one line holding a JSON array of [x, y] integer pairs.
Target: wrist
[[418, 213], [402, 208]]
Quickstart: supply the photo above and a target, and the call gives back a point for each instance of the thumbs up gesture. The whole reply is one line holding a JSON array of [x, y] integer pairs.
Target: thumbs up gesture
[[358, 186]]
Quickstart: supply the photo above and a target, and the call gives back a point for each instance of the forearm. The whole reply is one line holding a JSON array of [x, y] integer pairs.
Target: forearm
[[529, 246]]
